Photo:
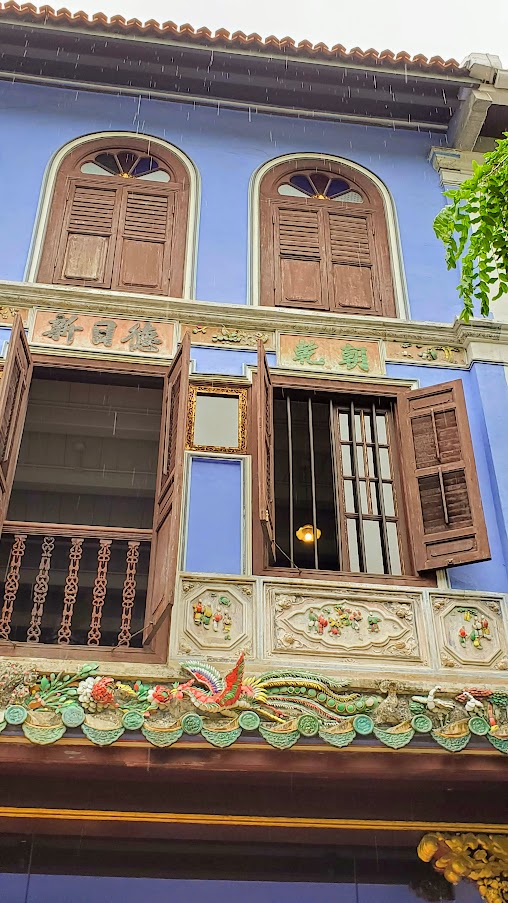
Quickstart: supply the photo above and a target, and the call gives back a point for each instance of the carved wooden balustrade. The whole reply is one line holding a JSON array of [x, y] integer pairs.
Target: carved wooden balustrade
[[73, 585]]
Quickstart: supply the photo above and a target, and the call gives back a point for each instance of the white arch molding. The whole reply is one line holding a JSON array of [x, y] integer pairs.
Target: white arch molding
[[46, 196], [254, 260]]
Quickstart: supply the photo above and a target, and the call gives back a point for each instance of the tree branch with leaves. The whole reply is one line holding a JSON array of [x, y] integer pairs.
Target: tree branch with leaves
[[474, 230]]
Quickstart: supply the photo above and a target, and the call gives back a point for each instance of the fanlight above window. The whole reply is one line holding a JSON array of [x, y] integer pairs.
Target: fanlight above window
[[320, 186], [126, 164]]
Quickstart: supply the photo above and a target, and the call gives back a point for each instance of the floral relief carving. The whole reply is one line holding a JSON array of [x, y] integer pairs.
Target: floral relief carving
[[470, 631], [334, 622], [215, 616]]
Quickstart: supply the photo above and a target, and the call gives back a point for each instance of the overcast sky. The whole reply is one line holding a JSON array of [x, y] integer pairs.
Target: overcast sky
[[447, 28]]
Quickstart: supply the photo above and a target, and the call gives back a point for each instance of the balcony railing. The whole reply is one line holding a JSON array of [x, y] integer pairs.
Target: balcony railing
[[70, 585]]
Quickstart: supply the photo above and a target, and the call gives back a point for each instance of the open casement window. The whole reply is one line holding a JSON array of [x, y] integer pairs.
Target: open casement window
[[89, 541], [166, 525], [265, 452], [118, 220], [444, 495], [14, 388], [357, 480], [324, 241]]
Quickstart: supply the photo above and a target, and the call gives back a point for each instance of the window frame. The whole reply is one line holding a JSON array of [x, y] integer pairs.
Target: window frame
[[388, 392], [196, 389], [157, 650], [377, 230], [69, 175]]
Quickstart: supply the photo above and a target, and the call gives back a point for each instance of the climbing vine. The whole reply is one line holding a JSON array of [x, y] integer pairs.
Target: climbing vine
[[474, 230]]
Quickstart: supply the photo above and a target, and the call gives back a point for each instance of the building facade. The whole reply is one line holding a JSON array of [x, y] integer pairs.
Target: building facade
[[253, 491]]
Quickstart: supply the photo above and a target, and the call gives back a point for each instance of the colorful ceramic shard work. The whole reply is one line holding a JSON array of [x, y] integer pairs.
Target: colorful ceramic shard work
[[283, 706]]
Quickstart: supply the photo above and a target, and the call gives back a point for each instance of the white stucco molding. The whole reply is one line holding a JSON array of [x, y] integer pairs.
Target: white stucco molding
[[48, 185], [453, 165], [254, 262]]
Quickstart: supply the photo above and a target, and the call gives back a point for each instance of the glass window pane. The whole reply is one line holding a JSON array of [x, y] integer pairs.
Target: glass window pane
[[358, 428], [359, 460], [373, 547], [337, 186], [127, 160], [384, 460], [363, 497], [291, 191], [347, 470], [381, 429], [352, 538], [302, 182], [216, 421], [107, 161], [92, 169], [370, 462], [158, 175], [349, 497], [344, 426], [350, 197], [320, 181], [368, 431], [388, 499], [393, 546], [373, 497], [145, 165]]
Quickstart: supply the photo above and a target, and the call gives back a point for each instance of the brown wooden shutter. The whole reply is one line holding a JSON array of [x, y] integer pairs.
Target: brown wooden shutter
[[14, 388], [266, 451], [353, 286], [87, 243], [300, 272], [168, 500], [143, 255], [445, 509]]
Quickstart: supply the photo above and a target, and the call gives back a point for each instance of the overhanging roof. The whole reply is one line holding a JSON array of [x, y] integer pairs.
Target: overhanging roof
[[235, 70]]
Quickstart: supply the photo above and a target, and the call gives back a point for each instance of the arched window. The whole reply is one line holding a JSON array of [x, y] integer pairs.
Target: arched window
[[118, 219], [324, 240]]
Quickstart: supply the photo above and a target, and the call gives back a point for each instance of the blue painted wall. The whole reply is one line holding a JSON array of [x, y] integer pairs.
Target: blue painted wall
[[227, 146], [215, 518]]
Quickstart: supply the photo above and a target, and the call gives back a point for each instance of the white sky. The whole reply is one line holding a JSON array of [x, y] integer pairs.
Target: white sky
[[447, 28]]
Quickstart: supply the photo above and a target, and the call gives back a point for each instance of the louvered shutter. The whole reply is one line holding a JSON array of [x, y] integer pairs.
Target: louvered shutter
[[266, 451], [14, 388], [87, 242], [143, 254], [446, 515], [168, 502], [300, 273], [353, 276]]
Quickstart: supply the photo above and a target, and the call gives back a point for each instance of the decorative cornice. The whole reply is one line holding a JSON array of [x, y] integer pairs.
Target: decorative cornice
[[483, 858], [24, 295], [282, 706]]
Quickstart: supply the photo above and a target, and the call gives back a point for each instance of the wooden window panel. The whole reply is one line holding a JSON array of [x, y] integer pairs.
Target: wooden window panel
[[265, 451], [168, 500], [87, 242], [324, 254], [447, 515], [144, 244], [14, 388], [116, 233]]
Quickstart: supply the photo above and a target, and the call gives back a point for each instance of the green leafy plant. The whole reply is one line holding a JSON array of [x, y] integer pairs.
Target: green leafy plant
[[474, 229]]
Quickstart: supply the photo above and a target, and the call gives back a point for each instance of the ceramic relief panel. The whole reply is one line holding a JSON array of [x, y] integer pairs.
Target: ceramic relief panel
[[322, 354], [471, 632], [67, 331], [431, 354], [215, 616], [346, 623], [228, 336]]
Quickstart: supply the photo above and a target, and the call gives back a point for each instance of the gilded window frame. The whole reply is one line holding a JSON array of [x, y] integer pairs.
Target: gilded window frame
[[241, 394]]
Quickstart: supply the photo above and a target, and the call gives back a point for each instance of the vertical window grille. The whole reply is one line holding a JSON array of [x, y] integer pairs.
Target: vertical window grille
[[334, 472]]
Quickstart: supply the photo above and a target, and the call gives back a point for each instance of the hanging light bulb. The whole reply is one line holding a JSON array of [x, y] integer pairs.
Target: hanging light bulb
[[306, 533]]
